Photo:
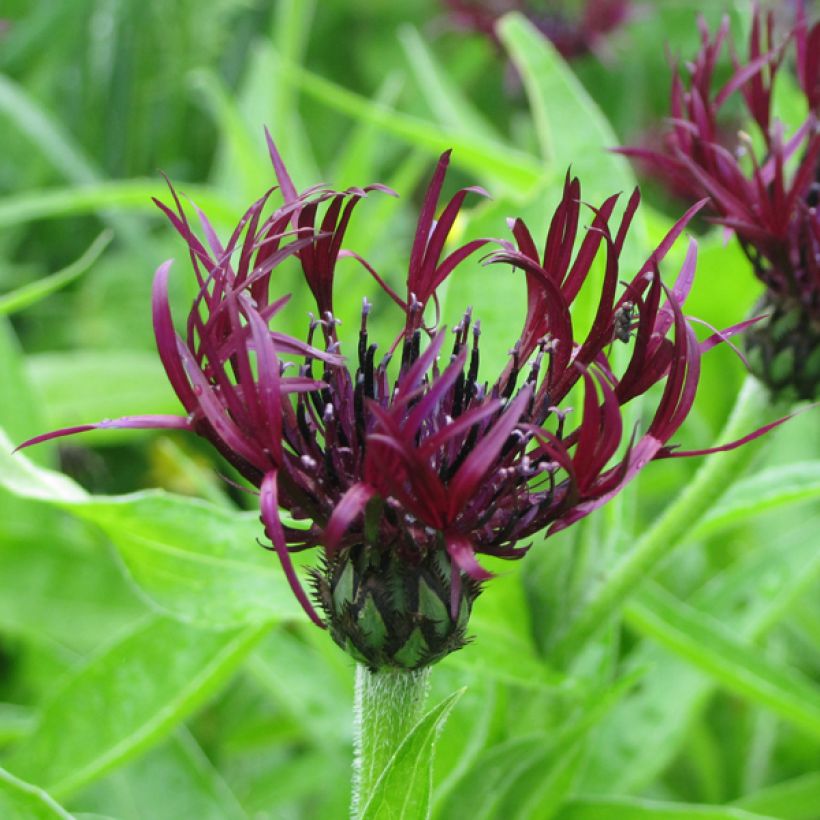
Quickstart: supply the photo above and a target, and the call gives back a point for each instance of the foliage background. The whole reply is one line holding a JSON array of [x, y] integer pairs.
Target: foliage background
[[152, 663]]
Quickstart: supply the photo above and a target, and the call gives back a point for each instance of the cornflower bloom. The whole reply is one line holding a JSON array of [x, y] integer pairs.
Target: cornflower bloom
[[765, 189], [573, 31], [407, 467]]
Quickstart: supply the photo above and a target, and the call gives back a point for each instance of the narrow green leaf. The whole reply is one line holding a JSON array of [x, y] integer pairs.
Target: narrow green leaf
[[795, 799], [531, 773], [446, 101], [504, 649], [503, 654], [515, 170], [273, 105], [241, 152], [768, 489], [290, 36], [539, 792], [58, 588], [355, 162], [571, 128], [469, 728], [126, 698], [131, 194], [49, 135], [45, 132], [35, 291], [22, 801], [645, 732], [404, 790], [635, 808], [742, 669], [480, 793]]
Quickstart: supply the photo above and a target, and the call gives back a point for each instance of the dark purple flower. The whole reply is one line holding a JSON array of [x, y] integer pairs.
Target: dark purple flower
[[574, 32], [407, 466], [767, 197]]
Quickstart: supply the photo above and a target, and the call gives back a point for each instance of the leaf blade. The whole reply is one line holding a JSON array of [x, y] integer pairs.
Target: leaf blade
[[115, 705], [410, 770]]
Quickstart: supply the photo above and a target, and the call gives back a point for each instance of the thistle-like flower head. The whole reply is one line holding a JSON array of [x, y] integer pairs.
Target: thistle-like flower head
[[765, 189], [407, 466]]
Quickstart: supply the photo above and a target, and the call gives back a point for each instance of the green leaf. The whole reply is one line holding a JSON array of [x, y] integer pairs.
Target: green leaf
[[514, 170], [35, 291], [410, 770], [644, 733], [114, 383], [469, 729], [22, 801], [175, 780], [705, 642], [572, 130], [56, 144], [199, 562], [530, 775], [274, 105], [58, 587], [795, 799], [15, 722], [126, 698], [539, 792], [133, 194], [634, 808], [355, 161], [241, 153], [302, 681], [481, 792], [447, 102], [503, 653], [20, 476], [768, 489], [45, 132]]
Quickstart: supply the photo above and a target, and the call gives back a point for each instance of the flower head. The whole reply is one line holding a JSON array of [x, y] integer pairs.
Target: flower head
[[408, 466], [574, 32], [765, 190]]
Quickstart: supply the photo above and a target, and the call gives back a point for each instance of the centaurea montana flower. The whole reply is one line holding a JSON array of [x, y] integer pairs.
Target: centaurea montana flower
[[575, 29], [406, 468], [768, 196]]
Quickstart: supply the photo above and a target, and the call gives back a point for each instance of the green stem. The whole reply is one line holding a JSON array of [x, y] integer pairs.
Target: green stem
[[708, 484], [387, 705]]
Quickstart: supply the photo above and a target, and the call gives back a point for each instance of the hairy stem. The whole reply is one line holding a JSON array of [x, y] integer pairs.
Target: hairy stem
[[713, 478], [387, 705]]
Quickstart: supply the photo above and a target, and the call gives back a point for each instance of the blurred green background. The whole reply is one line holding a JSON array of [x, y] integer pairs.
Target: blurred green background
[[127, 693]]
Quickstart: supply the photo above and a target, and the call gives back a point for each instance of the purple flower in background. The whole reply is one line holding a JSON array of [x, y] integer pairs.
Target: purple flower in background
[[408, 466], [765, 190], [574, 29]]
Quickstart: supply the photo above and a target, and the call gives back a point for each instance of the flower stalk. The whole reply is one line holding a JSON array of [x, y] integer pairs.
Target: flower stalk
[[387, 705]]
